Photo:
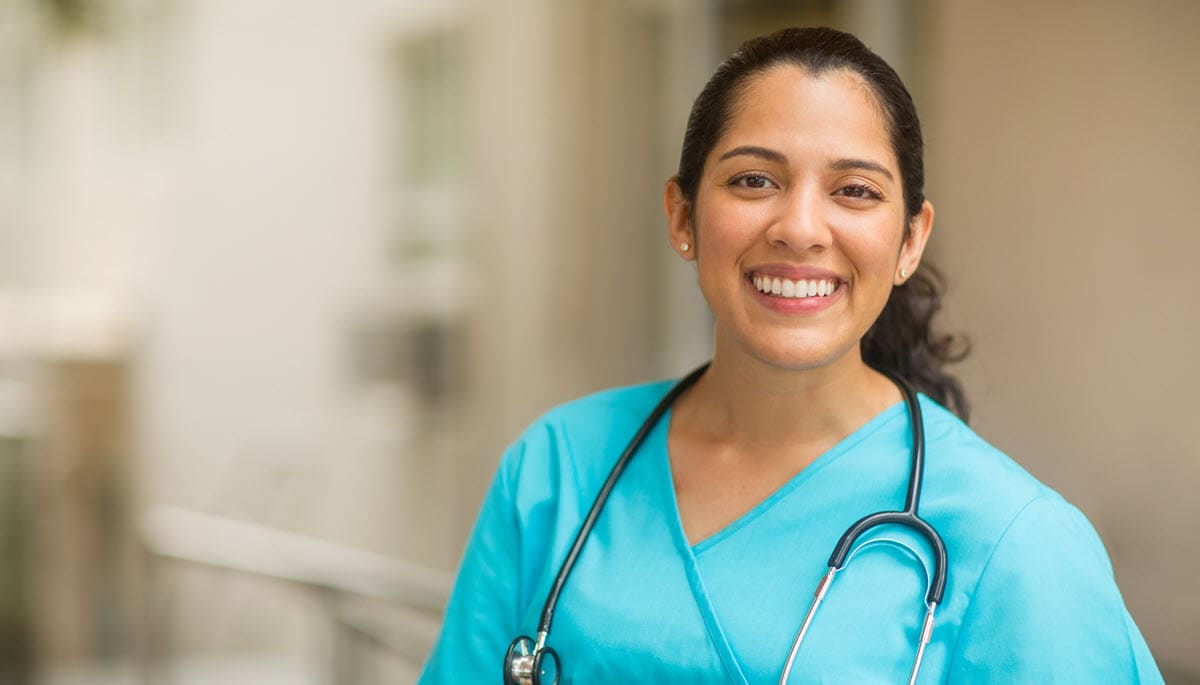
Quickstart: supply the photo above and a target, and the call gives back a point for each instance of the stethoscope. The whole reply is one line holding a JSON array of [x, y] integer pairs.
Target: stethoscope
[[530, 662]]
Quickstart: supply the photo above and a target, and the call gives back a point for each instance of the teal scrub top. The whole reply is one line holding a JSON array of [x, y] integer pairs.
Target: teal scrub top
[[1030, 595]]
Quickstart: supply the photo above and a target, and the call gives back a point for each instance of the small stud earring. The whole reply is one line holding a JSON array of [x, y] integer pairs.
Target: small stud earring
[[684, 247], [903, 272]]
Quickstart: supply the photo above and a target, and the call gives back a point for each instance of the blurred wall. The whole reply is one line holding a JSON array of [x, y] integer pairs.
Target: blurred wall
[[222, 178], [581, 290], [1062, 152], [217, 180]]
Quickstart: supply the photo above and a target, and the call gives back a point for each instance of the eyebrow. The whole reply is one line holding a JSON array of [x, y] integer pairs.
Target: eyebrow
[[755, 151], [863, 165]]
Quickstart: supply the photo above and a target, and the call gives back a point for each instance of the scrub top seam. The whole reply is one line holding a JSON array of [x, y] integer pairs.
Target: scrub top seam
[[856, 438], [1133, 658], [1127, 618], [712, 626], [700, 597], [967, 612]]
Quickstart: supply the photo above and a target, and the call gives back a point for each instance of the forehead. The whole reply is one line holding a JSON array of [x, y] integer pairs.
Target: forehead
[[787, 107]]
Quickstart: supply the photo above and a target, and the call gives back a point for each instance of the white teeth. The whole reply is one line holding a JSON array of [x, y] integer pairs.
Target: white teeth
[[784, 287]]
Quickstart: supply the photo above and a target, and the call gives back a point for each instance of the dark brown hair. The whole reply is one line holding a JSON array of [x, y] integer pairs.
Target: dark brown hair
[[901, 339]]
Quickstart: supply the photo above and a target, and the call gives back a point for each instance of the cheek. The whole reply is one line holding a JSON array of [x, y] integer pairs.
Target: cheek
[[721, 228], [875, 245]]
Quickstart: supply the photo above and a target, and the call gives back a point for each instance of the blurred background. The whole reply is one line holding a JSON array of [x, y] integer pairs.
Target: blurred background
[[280, 279]]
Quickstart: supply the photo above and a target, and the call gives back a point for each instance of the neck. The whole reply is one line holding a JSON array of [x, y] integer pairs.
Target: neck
[[760, 409]]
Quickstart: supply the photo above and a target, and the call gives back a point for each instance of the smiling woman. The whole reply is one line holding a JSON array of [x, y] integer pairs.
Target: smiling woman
[[691, 542], [803, 185]]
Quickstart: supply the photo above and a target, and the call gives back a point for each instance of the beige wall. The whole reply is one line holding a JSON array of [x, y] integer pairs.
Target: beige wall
[[1063, 150], [582, 291]]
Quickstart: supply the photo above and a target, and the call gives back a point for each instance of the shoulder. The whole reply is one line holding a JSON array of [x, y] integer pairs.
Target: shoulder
[[611, 415], [994, 513], [970, 477], [603, 410], [578, 441], [1025, 564]]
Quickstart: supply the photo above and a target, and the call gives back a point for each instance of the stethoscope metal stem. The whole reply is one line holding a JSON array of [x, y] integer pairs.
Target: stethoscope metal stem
[[926, 634], [907, 517], [819, 595]]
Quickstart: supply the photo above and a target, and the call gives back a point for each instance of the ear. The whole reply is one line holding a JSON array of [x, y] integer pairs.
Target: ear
[[679, 220], [914, 244]]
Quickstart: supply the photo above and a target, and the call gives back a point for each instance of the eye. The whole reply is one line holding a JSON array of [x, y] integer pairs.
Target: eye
[[859, 191], [753, 181]]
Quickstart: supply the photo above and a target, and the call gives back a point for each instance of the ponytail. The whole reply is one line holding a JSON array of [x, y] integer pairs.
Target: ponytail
[[902, 339]]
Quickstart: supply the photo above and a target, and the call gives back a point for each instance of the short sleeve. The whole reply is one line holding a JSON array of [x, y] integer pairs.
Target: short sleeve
[[481, 617], [1047, 609]]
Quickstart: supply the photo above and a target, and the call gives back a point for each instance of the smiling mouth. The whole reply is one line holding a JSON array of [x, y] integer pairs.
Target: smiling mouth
[[785, 287]]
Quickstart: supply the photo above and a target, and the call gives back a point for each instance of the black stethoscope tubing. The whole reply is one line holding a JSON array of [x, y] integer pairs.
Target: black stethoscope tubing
[[908, 516], [602, 498], [531, 668]]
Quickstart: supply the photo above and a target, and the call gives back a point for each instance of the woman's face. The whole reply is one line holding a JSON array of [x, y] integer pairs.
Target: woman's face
[[798, 223]]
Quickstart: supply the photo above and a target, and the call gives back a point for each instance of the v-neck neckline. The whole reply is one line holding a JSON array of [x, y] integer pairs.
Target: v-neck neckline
[[689, 552], [806, 474]]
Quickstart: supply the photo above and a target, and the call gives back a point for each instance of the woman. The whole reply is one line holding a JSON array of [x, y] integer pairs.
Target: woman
[[800, 199]]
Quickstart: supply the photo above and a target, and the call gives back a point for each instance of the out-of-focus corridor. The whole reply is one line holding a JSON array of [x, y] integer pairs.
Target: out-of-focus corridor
[[254, 669], [280, 280]]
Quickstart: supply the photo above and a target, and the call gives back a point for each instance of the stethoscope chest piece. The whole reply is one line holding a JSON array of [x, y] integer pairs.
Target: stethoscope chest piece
[[525, 664]]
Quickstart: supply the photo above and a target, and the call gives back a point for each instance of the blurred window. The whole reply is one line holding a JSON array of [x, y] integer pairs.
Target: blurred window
[[418, 345], [432, 155]]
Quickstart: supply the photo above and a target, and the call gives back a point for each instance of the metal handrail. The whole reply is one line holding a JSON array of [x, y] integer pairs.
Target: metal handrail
[[336, 572], [229, 544]]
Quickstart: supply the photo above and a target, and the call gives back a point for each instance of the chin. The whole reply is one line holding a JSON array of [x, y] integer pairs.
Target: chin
[[801, 357], [790, 349]]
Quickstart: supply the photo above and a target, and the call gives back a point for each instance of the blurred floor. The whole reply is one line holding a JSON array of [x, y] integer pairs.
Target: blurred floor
[[228, 669]]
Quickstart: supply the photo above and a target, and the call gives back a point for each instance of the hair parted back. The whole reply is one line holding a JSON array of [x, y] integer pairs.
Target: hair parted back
[[902, 338]]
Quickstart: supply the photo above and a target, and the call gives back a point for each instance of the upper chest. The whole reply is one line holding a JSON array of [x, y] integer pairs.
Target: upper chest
[[716, 483], [644, 605]]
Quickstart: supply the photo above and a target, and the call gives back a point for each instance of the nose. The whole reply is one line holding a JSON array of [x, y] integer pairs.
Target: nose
[[801, 223]]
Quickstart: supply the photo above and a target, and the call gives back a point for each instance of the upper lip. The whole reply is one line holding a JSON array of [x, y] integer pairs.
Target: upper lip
[[795, 272]]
